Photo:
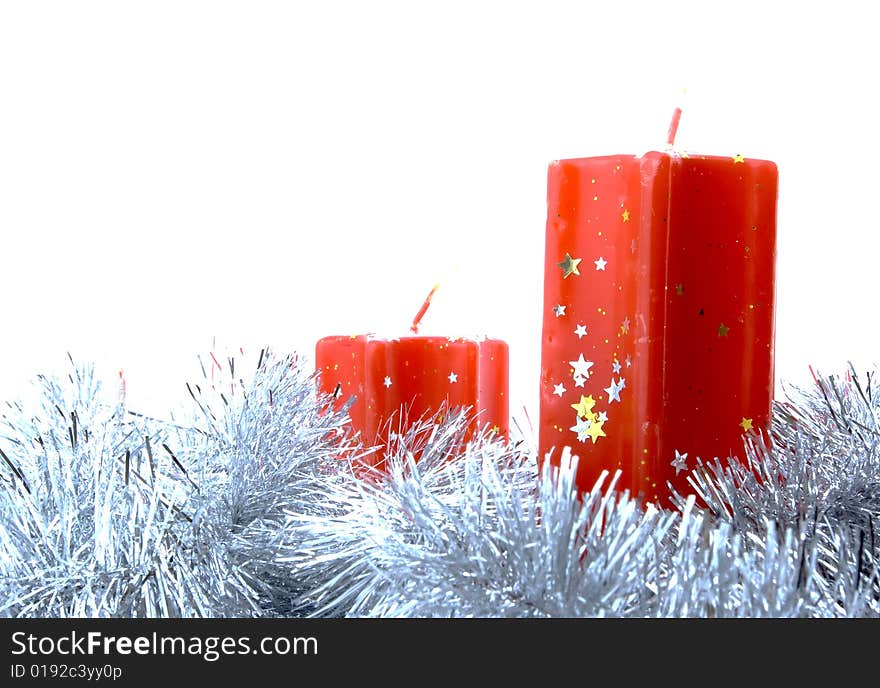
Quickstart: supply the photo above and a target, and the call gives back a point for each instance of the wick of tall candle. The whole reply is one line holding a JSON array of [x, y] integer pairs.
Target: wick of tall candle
[[673, 127], [121, 373], [415, 323]]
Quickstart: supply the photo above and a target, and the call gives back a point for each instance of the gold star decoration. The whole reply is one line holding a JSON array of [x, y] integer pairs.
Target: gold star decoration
[[495, 429], [746, 424], [584, 407], [738, 158], [595, 430], [723, 330], [569, 266], [625, 215]]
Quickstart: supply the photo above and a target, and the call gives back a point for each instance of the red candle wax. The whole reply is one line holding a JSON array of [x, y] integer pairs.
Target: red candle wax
[[398, 381], [658, 319]]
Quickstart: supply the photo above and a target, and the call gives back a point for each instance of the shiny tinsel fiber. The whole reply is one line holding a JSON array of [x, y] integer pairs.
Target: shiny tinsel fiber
[[250, 507]]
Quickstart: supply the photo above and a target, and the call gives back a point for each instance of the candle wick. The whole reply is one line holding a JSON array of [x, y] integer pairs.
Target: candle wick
[[122, 385], [673, 128], [415, 323]]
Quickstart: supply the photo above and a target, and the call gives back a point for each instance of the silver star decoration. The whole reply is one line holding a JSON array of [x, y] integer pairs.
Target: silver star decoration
[[602, 417], [387, 381], [614, 391], [624, 327], [679, 463], [559, 389], [628, 362], [579, 380], [453, 377], [615, 366], [559, 310], [580, 331], [601, 263], [581, 367], [582, 428]]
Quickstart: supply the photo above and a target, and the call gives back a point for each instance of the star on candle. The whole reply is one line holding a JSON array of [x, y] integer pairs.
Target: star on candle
[[602, 417], [579, 380], [582, 428], [738, 158], [387, 381], [453, 378], [559, 310], [584, 407], [624, 326], [559, 389], [595, 431], [746, 424], [723, 330], [569, 266], [580, 331], [615, 366], [628, 361], [581, 367], [614, 390], [625, 215], [601, 263], [679, 463]]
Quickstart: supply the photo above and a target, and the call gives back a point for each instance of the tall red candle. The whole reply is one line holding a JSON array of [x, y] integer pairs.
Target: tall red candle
[[658, 320]]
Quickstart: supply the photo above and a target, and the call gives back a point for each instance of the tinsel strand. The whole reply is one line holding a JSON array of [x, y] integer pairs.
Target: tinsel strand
[[255, 503]]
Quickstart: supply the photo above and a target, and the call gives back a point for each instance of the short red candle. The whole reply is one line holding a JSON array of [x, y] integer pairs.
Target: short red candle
[[398, 381], [658, 319]]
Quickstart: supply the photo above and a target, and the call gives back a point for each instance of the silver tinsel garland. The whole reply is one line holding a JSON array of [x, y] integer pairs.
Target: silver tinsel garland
[[250, 507]]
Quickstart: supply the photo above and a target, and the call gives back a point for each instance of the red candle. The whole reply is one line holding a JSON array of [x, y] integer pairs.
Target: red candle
[[658, 313], [398, 381]]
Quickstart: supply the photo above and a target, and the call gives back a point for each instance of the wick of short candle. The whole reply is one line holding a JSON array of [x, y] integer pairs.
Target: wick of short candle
[[415, 323], [673, 127]]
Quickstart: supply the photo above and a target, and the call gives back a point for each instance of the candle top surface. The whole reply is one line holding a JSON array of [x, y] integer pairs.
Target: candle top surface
[[372, 336], [673, 153]]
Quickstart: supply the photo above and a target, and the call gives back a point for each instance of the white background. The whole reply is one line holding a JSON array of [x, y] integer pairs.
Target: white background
[[269, 173]]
